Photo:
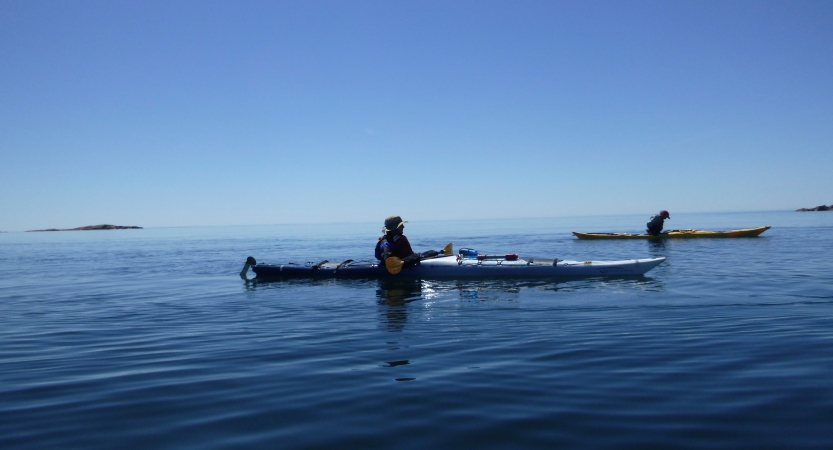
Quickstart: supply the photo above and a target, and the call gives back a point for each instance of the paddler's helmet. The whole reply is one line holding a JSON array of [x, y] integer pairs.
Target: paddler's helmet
[[392, 223], [664, 214]]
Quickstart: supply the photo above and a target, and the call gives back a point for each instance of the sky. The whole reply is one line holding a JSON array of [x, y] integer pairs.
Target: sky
[[183, 113]]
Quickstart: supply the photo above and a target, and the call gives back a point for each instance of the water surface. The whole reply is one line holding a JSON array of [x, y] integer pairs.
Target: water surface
[[150, 339]]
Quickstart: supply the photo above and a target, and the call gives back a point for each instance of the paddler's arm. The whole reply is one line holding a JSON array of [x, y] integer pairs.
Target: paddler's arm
[[412, 259]]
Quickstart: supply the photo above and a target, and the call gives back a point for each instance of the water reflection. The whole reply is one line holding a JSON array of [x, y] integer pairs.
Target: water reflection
[[491, 290], [403, 362], [255, 283], [656, 247], [393, 295]]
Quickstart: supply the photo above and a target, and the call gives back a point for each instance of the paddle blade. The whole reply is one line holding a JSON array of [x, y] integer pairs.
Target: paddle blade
[[448, 250], [394, 265]]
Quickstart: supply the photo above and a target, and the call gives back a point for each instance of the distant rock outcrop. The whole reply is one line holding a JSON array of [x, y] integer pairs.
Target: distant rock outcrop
[[92, 227], [817, 208]]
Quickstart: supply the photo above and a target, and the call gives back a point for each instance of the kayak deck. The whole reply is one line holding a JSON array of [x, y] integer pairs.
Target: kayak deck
[[445, 267], [746, 232]]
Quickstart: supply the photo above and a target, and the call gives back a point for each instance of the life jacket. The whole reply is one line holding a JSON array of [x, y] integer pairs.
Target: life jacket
[[655, 223], [384, 246]]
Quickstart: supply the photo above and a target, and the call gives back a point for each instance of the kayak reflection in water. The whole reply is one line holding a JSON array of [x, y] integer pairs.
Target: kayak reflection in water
[[395, 243], [654, 225]]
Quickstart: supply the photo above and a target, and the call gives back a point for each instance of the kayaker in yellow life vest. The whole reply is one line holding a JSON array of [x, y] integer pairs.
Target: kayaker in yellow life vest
[[654, 225]]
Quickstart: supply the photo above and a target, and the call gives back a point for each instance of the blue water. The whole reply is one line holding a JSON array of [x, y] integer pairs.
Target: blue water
[[150, 339]]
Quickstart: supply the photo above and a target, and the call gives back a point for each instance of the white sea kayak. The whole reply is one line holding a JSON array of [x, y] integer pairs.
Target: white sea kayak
[[456, 266]]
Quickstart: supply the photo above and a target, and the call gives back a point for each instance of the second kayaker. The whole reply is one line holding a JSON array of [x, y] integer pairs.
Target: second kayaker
[[654, 225], [393, 242]]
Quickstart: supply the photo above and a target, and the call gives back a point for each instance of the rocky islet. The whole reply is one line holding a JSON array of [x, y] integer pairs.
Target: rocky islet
[[817, 208], [92, 227]]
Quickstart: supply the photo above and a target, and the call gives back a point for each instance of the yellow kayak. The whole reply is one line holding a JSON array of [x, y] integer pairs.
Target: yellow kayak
[[746, 232]]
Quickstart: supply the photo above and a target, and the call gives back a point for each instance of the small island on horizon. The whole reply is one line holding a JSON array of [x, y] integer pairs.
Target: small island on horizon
[[91, 227], [817, 208]]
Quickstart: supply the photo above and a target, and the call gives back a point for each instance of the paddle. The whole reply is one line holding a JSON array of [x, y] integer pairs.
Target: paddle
[[395, 264]]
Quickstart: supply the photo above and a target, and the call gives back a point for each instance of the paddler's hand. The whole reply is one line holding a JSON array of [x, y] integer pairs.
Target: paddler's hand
[[412, 258]]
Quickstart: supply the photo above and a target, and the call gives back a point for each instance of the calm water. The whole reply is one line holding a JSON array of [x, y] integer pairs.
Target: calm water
[[150, 339]]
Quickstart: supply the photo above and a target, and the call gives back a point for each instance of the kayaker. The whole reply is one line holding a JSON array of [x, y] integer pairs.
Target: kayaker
[[393, 242], [656, 221]]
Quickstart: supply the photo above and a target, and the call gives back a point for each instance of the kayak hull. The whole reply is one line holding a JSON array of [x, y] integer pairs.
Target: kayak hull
[[451, 267], [746, 232]]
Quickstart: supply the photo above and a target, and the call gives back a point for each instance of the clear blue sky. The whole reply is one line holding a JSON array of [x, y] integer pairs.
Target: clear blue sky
[[211, 113]]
